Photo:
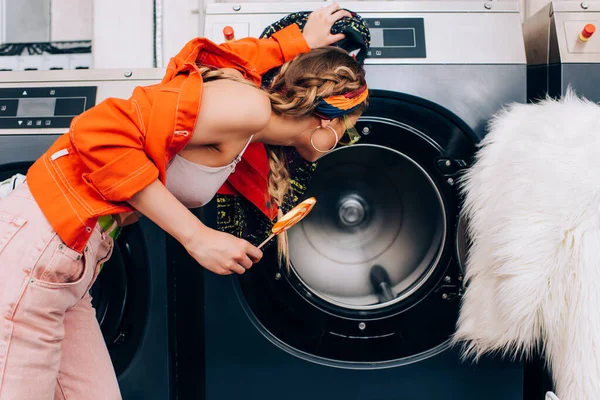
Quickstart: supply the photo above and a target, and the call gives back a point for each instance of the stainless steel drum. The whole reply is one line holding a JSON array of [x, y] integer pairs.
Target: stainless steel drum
[[378, 212]]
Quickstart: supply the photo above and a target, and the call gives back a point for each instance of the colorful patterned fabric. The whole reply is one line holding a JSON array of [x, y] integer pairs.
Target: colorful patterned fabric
[[336, 106], [356, 30], [238, 216]]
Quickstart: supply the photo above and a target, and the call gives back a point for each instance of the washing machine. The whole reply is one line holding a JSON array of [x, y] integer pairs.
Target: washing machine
[[563, 50], [373, 294], [131, 295]]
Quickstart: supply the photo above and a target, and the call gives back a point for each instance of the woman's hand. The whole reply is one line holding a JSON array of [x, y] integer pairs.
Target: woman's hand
[[223, 253], [317, 31], [216, 251]]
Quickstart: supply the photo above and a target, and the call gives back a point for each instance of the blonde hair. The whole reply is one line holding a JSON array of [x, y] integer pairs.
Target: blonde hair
[[295, 92]]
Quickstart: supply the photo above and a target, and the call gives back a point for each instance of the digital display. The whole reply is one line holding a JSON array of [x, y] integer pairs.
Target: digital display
[[46, 107], [398, 37], [402, 37], [376, 37], [36, 107]]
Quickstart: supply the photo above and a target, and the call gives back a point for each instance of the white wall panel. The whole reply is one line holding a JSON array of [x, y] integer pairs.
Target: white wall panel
[[71, 20], [122, 34], [180, 25]]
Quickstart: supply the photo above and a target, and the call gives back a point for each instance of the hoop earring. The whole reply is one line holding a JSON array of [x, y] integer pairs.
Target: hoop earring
[[313, 145]]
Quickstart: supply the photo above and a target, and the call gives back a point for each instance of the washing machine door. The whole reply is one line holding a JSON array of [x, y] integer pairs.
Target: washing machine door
[[375, 279]]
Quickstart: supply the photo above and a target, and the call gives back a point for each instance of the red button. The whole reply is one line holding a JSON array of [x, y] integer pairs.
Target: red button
[[588, 31], [228, 33]]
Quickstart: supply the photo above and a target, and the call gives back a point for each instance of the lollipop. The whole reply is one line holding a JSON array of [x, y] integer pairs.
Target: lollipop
[[291, 218]]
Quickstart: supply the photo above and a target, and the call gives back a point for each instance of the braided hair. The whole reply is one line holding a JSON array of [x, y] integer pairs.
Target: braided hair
[[295, 92]]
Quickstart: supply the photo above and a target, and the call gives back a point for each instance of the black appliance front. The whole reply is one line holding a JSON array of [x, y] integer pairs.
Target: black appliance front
[[131, 294], [373, 294]]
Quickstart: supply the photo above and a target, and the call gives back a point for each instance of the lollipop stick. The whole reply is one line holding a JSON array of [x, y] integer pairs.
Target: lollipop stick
[[266, 240]]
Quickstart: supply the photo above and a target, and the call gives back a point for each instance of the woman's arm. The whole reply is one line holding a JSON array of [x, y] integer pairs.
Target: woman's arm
[[284, 45], [216, 251]]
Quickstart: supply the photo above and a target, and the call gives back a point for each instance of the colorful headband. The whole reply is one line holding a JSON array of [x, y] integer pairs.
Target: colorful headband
[[337, 106]]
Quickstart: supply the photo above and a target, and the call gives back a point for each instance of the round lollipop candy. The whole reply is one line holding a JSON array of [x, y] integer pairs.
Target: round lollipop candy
[[291, 218]]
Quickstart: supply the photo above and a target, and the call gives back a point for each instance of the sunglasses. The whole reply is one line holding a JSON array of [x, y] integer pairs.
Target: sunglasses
[[351, 135]]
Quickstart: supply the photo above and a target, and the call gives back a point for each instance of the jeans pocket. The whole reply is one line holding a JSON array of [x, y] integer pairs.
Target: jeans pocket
[[59, 266]]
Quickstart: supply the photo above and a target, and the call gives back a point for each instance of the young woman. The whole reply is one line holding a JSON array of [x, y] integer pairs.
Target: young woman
[[168, 148]]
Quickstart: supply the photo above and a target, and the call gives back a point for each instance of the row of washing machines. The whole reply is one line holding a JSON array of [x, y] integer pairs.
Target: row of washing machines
[[437, 71]]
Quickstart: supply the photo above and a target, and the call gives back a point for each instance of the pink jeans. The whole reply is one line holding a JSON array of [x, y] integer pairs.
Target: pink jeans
[[51, 346]]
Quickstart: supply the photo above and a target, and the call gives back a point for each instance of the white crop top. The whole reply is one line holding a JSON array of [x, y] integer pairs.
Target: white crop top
[[193, 184]]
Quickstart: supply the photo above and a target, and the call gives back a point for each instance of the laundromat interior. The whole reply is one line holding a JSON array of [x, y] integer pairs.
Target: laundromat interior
[[438, 71]]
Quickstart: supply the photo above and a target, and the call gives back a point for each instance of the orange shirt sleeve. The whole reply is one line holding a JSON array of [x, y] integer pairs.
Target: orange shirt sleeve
[[265, 54]]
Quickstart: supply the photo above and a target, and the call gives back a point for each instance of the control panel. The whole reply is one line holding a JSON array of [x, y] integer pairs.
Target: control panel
[[43, 107], [390, 37], [46, 102], [401, 31], [397, 38]]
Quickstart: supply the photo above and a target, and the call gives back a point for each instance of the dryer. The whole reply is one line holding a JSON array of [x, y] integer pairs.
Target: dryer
[[131, 295], [437, 72]]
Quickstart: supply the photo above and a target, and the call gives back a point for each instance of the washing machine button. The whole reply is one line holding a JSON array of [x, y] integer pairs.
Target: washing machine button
[[587, 32], [228, 33]]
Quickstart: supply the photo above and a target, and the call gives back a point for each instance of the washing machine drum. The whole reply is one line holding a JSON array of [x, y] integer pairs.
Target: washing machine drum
[[374, 279], [377, 233]]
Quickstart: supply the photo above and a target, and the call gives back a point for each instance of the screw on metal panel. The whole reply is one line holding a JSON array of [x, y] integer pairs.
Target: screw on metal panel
[[237, 7], [444, 296], [366, 130], [584, 5], [278, 276], [362, 326], [448, 163], [128, 74], [450, 181], [488, 6], [447, 279]]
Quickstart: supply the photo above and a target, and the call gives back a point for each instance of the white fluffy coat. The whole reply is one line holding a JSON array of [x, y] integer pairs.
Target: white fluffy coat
[[533, 271]]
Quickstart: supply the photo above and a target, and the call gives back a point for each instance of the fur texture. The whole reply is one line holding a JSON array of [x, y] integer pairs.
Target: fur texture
[[533, 270]]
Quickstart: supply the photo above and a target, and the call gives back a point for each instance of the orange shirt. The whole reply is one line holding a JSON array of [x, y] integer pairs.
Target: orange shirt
[[119, 147]]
